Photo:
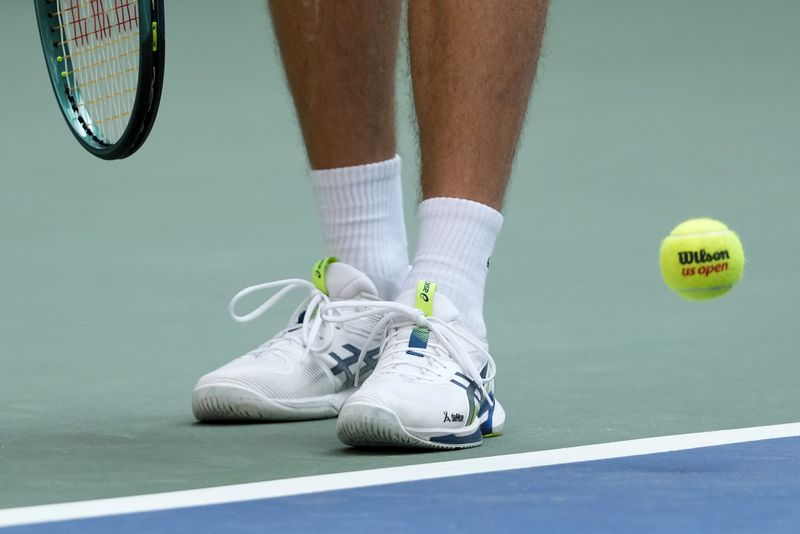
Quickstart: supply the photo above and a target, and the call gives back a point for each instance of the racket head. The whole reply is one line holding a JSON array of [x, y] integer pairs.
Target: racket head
[[105, 60]]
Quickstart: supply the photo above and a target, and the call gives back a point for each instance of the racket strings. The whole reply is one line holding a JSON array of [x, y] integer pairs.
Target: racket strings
[[95, 47], [91, 66], [100, 54]]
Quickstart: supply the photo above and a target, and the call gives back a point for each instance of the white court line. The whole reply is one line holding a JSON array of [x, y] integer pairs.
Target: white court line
[[374, 477]]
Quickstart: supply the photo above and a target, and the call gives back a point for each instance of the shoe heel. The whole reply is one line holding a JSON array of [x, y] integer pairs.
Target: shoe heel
[[495, 421]]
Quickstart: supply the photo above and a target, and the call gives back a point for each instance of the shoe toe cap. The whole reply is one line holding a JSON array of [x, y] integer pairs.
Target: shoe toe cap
[[268, 379]]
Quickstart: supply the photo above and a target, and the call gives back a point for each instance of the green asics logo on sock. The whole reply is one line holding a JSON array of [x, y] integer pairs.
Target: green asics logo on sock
[[318, 273], [425, 292]]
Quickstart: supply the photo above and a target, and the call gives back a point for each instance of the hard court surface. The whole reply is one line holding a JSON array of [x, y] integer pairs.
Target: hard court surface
[[116, 276]]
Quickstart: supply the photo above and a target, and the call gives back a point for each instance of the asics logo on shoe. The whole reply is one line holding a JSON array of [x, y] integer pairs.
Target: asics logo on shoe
[[319, 271], [453, 417], [475, 397], [343, 364], [425, 293], [426, 287]]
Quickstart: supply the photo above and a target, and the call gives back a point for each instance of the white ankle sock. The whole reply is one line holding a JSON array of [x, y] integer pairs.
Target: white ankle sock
[[456, 239], [361, 208]]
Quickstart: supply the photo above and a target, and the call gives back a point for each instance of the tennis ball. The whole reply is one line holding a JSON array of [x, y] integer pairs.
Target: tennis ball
[[701, 259]]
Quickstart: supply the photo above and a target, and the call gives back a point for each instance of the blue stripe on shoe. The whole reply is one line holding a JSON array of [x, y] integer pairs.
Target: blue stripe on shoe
[[487, 427], [419, 338], [452, 439]]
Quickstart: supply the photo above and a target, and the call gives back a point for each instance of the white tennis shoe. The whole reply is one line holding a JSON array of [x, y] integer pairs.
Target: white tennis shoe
[[307, 370], [433, 385]]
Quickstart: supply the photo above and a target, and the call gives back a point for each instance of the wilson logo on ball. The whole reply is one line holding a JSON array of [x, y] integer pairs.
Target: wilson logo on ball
[[701, 256]]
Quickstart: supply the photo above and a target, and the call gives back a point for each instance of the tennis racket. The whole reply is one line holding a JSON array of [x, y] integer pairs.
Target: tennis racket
[[105, 59]]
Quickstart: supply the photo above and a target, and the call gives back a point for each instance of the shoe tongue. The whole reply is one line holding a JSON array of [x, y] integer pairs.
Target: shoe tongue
[[341, 281], [434, 304]]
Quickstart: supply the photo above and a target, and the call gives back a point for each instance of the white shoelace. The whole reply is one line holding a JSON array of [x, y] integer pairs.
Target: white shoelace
[[450, 339], [314, 332]]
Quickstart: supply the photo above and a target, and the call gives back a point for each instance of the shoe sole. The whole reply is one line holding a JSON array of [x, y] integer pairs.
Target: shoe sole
[[220, 402], [366, 425]]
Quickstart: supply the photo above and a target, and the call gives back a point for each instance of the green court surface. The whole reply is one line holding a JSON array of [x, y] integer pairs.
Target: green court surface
[[116, 275]]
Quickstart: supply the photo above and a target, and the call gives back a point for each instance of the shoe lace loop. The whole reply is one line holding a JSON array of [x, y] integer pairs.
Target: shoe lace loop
[[314, 333], [452, 340]]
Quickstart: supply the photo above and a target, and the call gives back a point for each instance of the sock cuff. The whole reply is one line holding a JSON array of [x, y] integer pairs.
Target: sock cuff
[[357, 174], [477, 216], [458, 236]]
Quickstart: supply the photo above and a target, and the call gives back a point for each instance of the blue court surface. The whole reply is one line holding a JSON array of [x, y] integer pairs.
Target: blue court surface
[[746, 486], [116, 278]]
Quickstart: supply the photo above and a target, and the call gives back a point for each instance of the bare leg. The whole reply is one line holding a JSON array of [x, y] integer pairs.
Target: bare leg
[[340, 60], [472, 65]]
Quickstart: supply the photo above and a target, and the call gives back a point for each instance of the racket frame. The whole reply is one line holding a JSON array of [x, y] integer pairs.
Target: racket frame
[[148, 88]]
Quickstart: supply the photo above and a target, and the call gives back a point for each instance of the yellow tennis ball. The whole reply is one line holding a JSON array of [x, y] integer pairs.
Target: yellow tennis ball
[[701, 259]]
